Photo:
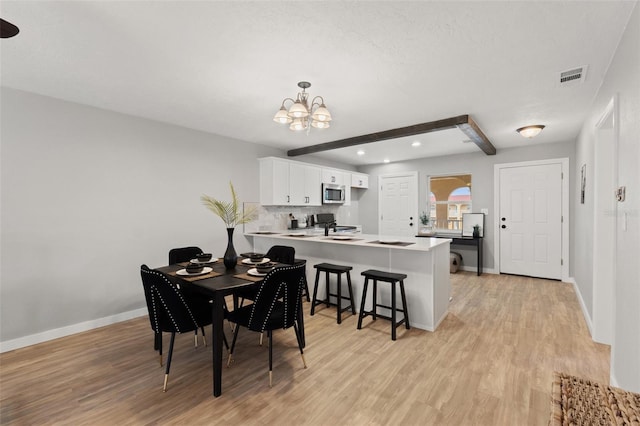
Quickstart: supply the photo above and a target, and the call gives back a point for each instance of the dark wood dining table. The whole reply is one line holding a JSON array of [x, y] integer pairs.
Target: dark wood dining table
[[216, 288]]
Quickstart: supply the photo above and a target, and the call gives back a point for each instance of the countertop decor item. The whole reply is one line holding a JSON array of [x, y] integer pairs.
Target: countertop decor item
[[231, 215], [426, 227]]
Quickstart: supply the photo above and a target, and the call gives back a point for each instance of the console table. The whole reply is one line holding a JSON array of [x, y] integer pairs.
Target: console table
[[463, 241]]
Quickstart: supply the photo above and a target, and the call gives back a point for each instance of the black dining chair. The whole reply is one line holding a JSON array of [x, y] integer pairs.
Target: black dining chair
[[183, 254], [172, 311], [280, 254], [277, 305]]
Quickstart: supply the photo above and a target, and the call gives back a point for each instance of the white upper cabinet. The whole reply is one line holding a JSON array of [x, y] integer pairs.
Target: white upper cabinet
[[274, 182], [333, 176], [304, 185], [359, 180], [287, 183]]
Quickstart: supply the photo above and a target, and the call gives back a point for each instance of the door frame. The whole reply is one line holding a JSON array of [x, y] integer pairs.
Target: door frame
[[564, 163], [605, 169], [414, 176]]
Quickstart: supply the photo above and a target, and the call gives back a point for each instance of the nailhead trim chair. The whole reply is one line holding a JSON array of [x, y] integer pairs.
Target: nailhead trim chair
[[277, 305], [171, 311], [183, 254]]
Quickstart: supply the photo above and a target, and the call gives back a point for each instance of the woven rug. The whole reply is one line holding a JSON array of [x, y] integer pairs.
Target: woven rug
[[577, 401]]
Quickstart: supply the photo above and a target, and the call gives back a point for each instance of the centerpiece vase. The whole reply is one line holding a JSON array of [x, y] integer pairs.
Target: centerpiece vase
[[230, 256]]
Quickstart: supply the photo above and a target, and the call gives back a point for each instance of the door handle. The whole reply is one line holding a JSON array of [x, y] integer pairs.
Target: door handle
[[410, 223], [503, 226], [504, 218]]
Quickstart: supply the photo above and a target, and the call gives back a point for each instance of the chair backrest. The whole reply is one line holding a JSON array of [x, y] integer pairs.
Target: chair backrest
[[183, 254], [282, 254], [168, 309], [278, 299]]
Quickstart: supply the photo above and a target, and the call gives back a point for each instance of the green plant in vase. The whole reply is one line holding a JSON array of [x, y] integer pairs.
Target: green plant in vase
[[232, 215], [427, 227]]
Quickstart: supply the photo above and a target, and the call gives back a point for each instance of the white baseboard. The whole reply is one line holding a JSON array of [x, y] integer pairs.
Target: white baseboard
[[474, 269], [33, 339], [612, 380], [585, 312]]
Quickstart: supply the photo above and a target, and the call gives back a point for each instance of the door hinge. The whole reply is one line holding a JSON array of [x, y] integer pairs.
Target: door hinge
[[561, 219], [561, 262], [561, 175]]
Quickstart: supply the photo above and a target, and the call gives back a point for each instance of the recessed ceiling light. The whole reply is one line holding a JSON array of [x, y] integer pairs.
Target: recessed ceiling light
[[360, 152], [386, 160], [416, 143]]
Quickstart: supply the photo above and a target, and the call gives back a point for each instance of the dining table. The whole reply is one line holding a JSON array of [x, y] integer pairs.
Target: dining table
[[215, 285]]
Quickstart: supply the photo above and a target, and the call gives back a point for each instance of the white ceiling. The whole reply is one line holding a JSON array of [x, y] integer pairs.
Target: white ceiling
[[224, 67]]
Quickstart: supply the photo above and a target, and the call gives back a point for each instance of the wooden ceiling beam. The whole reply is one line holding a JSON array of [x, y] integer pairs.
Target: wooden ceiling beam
[[462, 122]]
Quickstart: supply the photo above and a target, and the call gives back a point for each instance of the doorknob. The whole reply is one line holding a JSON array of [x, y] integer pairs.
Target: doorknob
[[410, 217], [410, 223], [504, 218], [504, 226]]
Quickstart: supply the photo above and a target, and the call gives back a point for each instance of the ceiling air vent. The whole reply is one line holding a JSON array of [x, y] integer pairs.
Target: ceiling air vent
[[573, 76]]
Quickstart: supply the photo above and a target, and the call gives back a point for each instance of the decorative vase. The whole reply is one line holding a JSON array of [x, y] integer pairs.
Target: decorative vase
[[230, 255], [426, 230], [476, 232]]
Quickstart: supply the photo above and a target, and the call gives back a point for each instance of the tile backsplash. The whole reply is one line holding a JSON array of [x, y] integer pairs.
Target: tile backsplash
[[277, 217]]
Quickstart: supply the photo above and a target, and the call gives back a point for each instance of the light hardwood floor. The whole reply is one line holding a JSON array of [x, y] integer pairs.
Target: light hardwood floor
[[489, 363]]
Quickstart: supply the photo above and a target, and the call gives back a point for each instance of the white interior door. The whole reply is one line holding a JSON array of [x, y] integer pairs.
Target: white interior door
[[530, 220], [398, 204]]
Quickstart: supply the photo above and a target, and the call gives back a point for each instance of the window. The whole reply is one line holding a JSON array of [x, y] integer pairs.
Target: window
[[449, 198]]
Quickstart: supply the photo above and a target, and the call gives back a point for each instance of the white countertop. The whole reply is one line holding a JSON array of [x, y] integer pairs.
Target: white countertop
[[357, 239]]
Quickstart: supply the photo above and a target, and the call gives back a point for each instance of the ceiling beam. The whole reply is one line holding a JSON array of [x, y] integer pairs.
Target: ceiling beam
[[462, 122]]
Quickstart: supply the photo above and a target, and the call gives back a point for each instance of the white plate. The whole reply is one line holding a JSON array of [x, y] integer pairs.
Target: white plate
[[249, 262], [342, 237], [213, 259], [389, 241], [184, 272], [254, 272], [296, 234]]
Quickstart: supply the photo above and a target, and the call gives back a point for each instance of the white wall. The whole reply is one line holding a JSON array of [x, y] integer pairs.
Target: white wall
[[623, 79], [89, 195], [480, 166]]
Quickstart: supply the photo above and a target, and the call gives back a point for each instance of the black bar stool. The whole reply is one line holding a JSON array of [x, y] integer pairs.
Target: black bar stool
[[391, 278], [329, 268]]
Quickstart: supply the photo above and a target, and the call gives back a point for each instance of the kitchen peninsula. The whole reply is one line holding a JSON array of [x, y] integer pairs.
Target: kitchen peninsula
[[424, 260]]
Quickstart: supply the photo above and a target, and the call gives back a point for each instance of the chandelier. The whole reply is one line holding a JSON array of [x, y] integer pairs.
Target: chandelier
[[301, 115]]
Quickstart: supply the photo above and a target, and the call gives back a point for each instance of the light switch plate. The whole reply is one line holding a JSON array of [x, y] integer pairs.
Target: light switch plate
[[484, 211]]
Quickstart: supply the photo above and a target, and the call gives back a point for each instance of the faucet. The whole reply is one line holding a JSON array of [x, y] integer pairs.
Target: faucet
[[328, 225]]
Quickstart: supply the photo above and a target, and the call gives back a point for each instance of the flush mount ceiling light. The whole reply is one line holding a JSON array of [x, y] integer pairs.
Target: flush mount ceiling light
[[360, 152], [301, 115], [530, 131], [416, 144]]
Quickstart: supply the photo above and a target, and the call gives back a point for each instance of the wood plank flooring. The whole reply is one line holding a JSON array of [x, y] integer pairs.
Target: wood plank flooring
[[489, 363]]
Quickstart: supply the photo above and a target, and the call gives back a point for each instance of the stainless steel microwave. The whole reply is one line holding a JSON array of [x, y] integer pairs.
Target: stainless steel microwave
[[332, 193]]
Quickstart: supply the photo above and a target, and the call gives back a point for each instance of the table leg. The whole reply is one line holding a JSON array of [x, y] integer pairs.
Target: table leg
[[218, 330], [479, 249]]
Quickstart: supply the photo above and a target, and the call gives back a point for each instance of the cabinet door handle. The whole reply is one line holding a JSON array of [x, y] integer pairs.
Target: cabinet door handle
[[288, 199]]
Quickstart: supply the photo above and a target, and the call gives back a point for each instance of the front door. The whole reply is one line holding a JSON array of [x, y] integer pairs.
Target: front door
[[399, 205], [530, 220]]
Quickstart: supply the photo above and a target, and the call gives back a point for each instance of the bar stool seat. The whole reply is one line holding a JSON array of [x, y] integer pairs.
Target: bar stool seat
[[393, 279], [329, 268]]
